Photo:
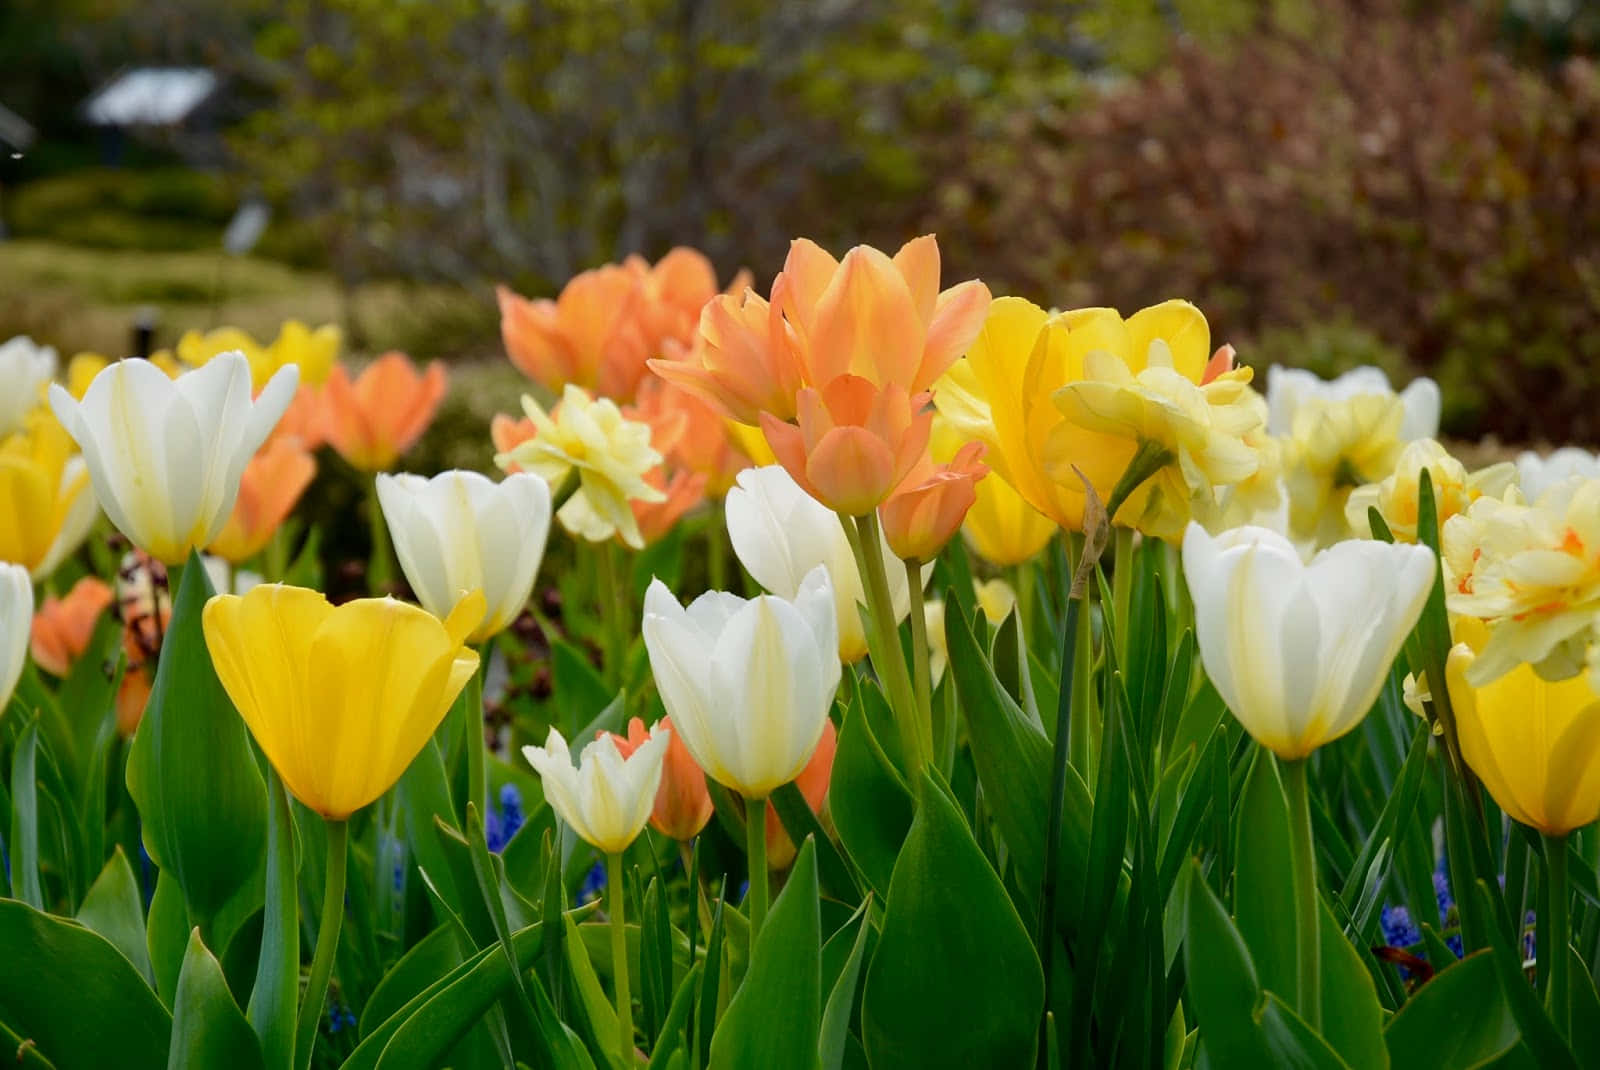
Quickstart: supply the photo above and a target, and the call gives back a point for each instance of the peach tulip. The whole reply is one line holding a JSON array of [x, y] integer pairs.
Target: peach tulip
[[673, 292], [813, 783], [380, 415], [928, 508], [683, 805], [272, 484], [589, 336], [746, 360], [63, 626], [855, 441]]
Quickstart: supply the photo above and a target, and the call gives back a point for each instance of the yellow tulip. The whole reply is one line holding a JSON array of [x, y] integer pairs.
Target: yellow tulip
[[1002, 393], [1001, 526], [48, 506], [340, 699], [315, 352], [195, 348], [1534, 743]]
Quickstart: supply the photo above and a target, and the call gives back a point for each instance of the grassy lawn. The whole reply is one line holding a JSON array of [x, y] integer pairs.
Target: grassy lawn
[[79, 299]]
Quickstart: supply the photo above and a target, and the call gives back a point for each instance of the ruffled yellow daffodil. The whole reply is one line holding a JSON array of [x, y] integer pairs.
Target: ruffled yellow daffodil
[[1398, 497], [340, 699]]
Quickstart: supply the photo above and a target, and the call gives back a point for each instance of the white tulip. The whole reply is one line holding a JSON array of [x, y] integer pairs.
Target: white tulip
[[166, 455], [606, 799], [24, 368], [1538, 474], [780, 533], [1299, 651], [1289, 388], [747, 683], [16, 625], [461, 531]]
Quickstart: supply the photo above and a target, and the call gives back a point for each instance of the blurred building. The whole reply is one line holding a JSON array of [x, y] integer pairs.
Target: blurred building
[[179, 108]]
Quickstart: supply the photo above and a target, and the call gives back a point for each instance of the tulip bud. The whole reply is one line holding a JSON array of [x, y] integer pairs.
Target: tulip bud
[[607, 798], [683, 805]]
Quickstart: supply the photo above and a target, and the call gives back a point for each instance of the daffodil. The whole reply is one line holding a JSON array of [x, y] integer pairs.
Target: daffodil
[[1398, 497], [340, 699], [1335, 447], [610, 453], [1290, 388]]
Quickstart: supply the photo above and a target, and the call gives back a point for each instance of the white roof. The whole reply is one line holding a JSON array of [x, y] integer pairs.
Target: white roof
[[156, 96]]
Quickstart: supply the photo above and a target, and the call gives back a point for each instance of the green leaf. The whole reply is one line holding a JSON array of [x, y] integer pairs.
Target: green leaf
[[578, 690], [207, 1026], [83, 1004], [711, 995], [954, 981], [842, 999], [428, 960], [1225, 1001], [25, 818], [1585, 1003], [672, 1041], [785, 972], [799, 821], [167, 935], [1293, 1043], [1459, 1018], [1352, 1017], [275, 994], [191, 771], [114, 910], [870, 806], [599, 1018], [1264, 897]]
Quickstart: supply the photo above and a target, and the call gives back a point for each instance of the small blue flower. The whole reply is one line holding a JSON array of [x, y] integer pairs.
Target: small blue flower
[[593, 884], [1398, 928], [502, 823]]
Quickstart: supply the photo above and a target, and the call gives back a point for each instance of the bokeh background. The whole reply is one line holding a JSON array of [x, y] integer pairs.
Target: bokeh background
[[1335, 182]]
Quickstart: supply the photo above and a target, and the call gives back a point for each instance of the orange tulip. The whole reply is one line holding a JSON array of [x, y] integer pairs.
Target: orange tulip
[[142, 633], [372, 421], [746, 362], [273, 481], [506, 432], [683, 805], [878, 317], [304, 421], [705, 445], [63, 626], [813, 783], [590, 335], [673, 292], [684, 490], [855, 441], [927, 509]]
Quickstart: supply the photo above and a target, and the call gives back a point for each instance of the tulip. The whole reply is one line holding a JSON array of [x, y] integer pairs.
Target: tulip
[[1536, 474], [682, 805], [672, 294], [1290, 389], [380, 416], [314, 352], [63, 627], [682, 491], [271, 485], [305, 420], [995, 597], [196, 349], [588, 337], [16, 617], [340, 699], [855, 442], [1335, 447], [24, 369], [813, 783], [49, 507], [705, 444], [1299, 652], [606, 800], [744, 364], [1531, 572], [747, 683], [1398, 498], [608, 797], [166, 455], [1001, 526], [610, 453], [929, 507], [780, 534], [460, 532]]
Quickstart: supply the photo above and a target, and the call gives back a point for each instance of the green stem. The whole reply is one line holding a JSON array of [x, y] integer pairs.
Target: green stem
[[865, 543], [619, 959], [472, 740], [1307, 922], [717, 549], [1556, 998], [327, 942], [1122, 593], [614, 605], [380, 567], [755, 838], [921, 674]]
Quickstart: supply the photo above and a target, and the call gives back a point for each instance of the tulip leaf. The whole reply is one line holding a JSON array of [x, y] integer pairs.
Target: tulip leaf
[[1459, 1018], [800, 821], [870, 806], [1352, 1018], [785, 972], [712, 994], [191, 771], [655, 958], [114, 910], [1225, 1004], [670, 1045], [167, 935], [842, 997], [25, 818], [208, 1029], [82, 1003], [428, 960], [276, 991], [578, 690], [954, 981], [1264, 893]]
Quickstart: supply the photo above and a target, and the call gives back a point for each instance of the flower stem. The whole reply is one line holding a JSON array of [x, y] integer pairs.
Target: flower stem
[[916, 738], [619, 959], [614, 605], [1122, 593], [1303, 854], [755, 838], [327, 942], [1556, 997], [380, 570], [472, 741], [716, 550], [921, 676]]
